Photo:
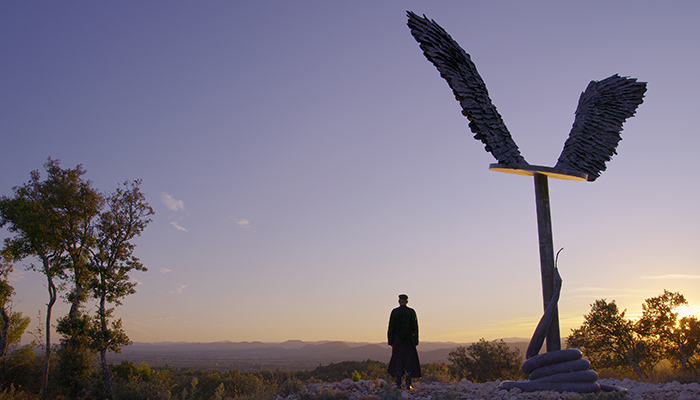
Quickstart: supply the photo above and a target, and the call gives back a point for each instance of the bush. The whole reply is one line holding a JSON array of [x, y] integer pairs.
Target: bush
[[436, 372], [485, 361]]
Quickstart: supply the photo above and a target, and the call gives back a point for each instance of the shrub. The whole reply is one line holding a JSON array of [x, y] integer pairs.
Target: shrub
[[485, 361]]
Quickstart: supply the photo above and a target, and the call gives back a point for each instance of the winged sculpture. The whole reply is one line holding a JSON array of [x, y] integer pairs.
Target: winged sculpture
[[602, 109]]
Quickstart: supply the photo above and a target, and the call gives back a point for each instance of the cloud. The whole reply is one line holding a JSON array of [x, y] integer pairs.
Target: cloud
[[16, 276], [244, 223], [179, 289], [177, 226], [171, 203], [670, 276], [164, 270]]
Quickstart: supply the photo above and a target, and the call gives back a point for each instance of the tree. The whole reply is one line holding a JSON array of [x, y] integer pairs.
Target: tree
[[112, 260], [486, 361], [12, 324], [608, 339], [17, 325], [62, 222], [75, 205], [686, 338], [674, 339], [6, 292], [30, 216]]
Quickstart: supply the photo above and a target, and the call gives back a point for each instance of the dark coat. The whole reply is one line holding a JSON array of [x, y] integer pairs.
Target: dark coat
[[403, 339]]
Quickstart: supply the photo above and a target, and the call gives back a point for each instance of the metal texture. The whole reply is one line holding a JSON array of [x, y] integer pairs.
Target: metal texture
[[602, 108]]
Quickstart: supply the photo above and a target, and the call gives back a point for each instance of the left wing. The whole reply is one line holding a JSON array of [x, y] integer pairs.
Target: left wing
[[601, 111], [457, 68]]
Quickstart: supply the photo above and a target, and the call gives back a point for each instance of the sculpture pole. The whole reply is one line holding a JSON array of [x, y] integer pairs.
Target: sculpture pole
[[544, 228]]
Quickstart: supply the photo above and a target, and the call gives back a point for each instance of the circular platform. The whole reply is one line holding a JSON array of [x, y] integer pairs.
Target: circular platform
[[531, 170]]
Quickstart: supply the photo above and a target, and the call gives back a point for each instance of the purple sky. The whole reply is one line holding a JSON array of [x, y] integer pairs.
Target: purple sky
[[307, 164]]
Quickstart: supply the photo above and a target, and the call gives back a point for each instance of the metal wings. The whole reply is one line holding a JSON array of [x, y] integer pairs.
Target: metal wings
[[602, 108], [457, 68]]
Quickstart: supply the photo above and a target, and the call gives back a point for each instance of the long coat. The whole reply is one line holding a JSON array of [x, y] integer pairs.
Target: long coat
[[403, 339]]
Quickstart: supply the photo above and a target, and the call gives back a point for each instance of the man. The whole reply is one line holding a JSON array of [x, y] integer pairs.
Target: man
[[403, 339]]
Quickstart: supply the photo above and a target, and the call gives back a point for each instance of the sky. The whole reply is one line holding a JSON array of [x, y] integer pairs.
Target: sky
[[307, 164]]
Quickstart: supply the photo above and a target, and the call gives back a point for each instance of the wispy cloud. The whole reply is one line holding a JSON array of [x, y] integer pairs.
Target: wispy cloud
[[171, 203], [604, 292], [164, 270], [179, 289], [177, 226], [671, 276], [244, 223], [16, 276]]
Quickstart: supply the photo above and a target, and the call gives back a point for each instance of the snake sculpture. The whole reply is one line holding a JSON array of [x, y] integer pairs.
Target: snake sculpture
[[602, 109], [562, 370]]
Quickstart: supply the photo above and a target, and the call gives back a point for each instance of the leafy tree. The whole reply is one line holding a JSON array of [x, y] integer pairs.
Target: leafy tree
[[82, 238], [608, 339], [6, 292], [127, 215], [485, 361], [74, 204], [686, 338], [12, 324], [30, 216], [674, 339]]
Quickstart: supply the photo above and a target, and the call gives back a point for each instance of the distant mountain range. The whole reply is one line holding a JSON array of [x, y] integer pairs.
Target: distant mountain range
[[289, 355]]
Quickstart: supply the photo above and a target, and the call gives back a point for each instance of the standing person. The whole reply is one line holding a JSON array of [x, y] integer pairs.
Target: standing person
[[403, 339]]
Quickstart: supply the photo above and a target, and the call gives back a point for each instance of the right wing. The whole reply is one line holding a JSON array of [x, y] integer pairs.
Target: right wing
[[457, 68], [601, 111]]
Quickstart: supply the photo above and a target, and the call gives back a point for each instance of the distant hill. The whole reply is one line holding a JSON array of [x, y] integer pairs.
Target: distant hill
[[289, 355]]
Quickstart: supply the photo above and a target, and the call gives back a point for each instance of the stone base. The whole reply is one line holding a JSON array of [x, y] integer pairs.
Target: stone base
[[561, 371]]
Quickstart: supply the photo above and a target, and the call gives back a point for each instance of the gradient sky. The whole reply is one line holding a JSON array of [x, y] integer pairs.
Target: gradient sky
[[307, 164]]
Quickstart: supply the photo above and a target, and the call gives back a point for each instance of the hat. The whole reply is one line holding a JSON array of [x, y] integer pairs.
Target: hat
[[403, 297]]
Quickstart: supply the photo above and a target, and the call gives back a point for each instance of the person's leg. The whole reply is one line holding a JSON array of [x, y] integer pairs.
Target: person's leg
[[398, 381]]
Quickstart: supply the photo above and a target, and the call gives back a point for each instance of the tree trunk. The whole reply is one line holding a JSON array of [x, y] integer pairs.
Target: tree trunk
[[104, 346], [105, 370], [634, 363], [3, 343], [47, 349]]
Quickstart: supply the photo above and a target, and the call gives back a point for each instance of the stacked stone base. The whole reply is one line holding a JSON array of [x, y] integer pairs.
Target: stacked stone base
[[561, 371]]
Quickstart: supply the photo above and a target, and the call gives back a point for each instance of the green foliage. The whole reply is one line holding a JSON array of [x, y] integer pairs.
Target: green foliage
[[12, 394], [128, 369], [436, 372], [610, 340], [486, 361], [333, 372], [83, 240], [686, 338], [17, 326], [76, 361]]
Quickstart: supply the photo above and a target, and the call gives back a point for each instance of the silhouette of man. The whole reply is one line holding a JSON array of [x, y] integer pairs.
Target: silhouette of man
[[403, 339]]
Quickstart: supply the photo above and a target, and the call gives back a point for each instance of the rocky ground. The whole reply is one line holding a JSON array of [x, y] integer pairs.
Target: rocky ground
[[380, 390]]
